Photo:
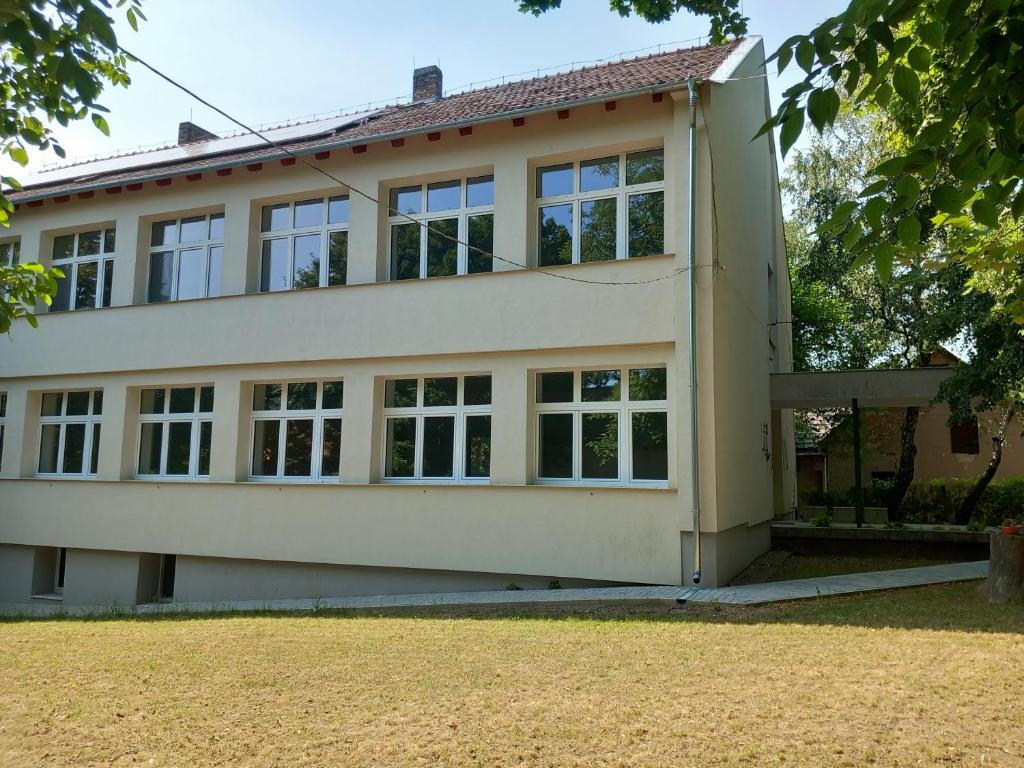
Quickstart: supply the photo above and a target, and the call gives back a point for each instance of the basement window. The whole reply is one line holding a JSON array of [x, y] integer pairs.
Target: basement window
[[304, 244], [601, 209], [69, 432], [175, 432], [438, 429], [296, 431], [87, 261], [3, 425], [602, 426], [185, 258], [442, 228]]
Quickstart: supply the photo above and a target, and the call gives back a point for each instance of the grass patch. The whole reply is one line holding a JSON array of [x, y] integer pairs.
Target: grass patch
[[927, 676]]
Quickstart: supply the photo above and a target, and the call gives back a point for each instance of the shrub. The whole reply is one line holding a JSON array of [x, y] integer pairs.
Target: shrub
[[824, 520], [937, 501]]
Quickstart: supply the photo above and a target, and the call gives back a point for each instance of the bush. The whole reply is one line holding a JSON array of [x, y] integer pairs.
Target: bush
[[824, 520], [938, 501]]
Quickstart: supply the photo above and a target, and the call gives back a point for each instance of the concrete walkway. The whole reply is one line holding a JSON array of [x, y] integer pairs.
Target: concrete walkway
[[751, 594]]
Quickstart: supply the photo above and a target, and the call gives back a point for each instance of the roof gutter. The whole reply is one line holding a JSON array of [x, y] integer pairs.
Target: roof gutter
[[169, 172]]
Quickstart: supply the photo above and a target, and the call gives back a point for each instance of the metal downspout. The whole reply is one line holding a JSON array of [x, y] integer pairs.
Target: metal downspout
[[691, 272]]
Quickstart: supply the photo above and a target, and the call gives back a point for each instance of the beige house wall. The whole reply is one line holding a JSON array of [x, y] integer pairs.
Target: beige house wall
[[511, 323]]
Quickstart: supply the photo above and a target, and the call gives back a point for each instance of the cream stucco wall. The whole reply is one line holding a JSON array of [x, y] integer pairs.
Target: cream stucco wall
[[510, 323]]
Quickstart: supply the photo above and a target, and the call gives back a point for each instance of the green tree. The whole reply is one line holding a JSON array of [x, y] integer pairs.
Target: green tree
[[56, 56]]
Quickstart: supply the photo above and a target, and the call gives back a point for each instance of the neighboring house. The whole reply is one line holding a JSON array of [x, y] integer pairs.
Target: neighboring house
[[422, 416], [944, 450]]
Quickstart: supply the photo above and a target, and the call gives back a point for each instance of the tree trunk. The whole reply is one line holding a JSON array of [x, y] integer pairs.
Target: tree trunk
[[1005, 569], [970, 503], [905, 470]]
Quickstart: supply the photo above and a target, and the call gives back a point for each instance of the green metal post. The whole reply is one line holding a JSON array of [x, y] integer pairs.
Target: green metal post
[[858, 484]]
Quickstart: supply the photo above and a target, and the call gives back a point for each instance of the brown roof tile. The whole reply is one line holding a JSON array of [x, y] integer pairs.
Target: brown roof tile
[[653, 72]]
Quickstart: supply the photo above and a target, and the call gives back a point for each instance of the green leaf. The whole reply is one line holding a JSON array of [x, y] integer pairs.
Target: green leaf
[[884, 257], [907, 84], [909, 231], [874, 188], [873, 211], [931, 33], [805, 55], [31, 319], [18, 154], [852, 235], [919, 58], [883, 95], [132, 21], [946, 198], [891, 167], [792, 127], [822, 107], [100, 122], [881, 34], [785, 55], [985, 212]]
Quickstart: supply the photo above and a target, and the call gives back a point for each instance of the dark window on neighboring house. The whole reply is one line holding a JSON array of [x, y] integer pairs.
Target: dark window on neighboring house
[[963, 437]]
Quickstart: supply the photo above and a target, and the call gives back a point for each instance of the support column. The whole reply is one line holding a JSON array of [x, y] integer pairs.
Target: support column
[[240, 268], [229, 447], [15, 442], [361, 428], [117, 432], [511, 428], [364, 218], [858, 485], [131, 263], [512, 226]]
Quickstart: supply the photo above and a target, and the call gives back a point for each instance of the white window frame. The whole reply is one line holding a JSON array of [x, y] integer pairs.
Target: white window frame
[[418, 412], [207, 245], [10, 252], [624, 408], [91, 420], [318, 415], [463, 213], [621, 193], [324, 229], [69, 265], [196, 418]]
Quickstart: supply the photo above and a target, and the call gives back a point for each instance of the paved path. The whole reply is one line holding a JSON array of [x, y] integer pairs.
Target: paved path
[[751, 594]]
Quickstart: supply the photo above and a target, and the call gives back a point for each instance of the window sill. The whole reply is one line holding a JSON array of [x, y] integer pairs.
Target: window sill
[[655, 484], [52, 597], [434, 480]]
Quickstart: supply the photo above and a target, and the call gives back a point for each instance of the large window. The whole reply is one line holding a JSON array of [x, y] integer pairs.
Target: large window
[[438, 428], [456, 212], [296, 430], [69, 432], [10, 253], [175, 430], [185, 258], [87, 261], [603, 426], [602, 209], [304, 244]]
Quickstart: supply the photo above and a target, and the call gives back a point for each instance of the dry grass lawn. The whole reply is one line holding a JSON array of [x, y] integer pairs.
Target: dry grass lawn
[[930, 676]]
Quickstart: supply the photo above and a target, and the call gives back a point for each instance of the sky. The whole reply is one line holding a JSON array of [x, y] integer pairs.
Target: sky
[[267, 61]]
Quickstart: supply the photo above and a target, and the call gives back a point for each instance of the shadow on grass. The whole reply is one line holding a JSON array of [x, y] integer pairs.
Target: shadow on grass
[[945, 607]]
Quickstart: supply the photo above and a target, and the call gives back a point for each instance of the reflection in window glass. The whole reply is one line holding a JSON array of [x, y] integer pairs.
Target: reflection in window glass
[[440, 392], [401, 447], [330, 460], [298, 447], [444, 196], [556, 445], [264, 453], [304, 440], [478, 446], [78, 403], [650, 445], [309, 213], [602, 173], [600, 446], [74, 448], [275, 217], [400, 393], [601, 386], [165, 233], [647, 384], [478, 390], [185, 259], [274, 269], [193, 229], [407, 199], [266, 397], [205, 438], [645, 167], [554, 180], [442, 248], [555, 235], [49, 444], [555, 387], [337, 271], [179, 447], [69, 432], [85, 260], [191, 280], [598, 229], [479, 191], [161, 276], [217, 226], [206, 399], [85, 285], [63, 247], [152, 401], [306, 261], [333, 396], [216, 260], [174, 435], [438, 446], [52, 403], [183, 399], [150, 446], [337, 210], [481, 243], [646, 224], [405, 251], [302, 396]]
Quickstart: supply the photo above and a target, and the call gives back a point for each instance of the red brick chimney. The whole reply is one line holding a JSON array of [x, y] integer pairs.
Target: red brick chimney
[[426, 84]]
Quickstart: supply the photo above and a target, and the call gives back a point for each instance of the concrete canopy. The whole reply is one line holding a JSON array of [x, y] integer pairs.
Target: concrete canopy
[[837, 389]]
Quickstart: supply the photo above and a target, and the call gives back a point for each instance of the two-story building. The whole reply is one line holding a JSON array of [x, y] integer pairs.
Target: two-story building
[[439, 345]]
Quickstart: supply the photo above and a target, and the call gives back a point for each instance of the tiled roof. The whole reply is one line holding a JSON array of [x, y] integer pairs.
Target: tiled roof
[[653, 73]]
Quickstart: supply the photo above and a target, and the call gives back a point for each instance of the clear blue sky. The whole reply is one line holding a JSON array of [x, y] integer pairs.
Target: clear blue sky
[[268, 61]]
